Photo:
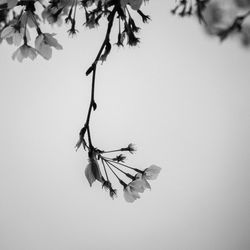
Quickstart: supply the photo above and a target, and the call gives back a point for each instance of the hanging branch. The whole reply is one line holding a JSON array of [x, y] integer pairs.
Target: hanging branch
[[18, 17], [92, 69]]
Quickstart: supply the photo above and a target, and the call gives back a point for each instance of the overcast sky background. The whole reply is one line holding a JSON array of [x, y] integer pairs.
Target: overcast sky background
[[181, 97]]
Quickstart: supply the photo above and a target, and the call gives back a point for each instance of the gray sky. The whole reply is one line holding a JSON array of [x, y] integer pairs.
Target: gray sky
[[181, 97]]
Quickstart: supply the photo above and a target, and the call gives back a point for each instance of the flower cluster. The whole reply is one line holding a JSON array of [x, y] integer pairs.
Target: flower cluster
[[138, 182], [17, 17], [16, 32]]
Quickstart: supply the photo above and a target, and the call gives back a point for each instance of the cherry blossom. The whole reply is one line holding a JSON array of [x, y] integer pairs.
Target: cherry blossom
[[92, 170], [44, 43], [14, 32], [151, 173], [24, 51]]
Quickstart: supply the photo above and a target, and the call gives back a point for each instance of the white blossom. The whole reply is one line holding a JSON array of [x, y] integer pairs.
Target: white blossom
[[14, 32], [44, 43], [130, 194], [92, 171], [151, 173], [144, 180], [132, 190], [24, 51]]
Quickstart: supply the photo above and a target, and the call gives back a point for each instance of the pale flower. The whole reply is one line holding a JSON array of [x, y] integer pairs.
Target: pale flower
[[14, 32], [151, 173], [141, 177], [24, 51], [130, 195], [132, 190], [92, 171], [219, 15], [44, 43]]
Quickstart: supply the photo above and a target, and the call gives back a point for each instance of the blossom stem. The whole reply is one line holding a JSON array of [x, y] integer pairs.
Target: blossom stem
[[127, 174], [36, 23], [120, 180], [92, 104], [128, 11], [111, 151], [105, 170], [89, 138], [124, 165], [25, 30]]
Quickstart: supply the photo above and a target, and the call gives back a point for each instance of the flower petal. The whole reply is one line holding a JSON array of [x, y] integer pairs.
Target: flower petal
[[7, 32], [89, 174], [96, 169], [143, 179], [17, 38], [146, 184], [45, 51], [92, 171], [15, 54], [52, 41], [152, 172], [137, 186], [38, 41], [32, 53], [130, 196]]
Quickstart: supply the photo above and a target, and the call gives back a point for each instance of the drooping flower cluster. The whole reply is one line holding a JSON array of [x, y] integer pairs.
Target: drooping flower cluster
[[16, 32], [18, 17], [136, 184]]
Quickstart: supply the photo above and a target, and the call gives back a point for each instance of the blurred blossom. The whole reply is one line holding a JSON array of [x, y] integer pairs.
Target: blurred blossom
[[219, 15], [144, 180], [44, 43], [132, 190], [152, 172], [13, 32], [242, 3], [25, 51]]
